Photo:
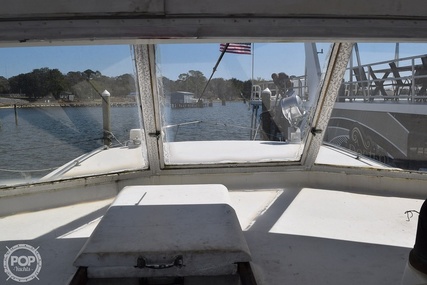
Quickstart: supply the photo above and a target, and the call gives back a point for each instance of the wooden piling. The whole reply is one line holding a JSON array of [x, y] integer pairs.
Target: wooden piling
[[16, 114]]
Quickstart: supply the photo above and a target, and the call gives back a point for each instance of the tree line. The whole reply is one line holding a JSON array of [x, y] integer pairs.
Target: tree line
[[51, 83], [218, 88], [86, 85]]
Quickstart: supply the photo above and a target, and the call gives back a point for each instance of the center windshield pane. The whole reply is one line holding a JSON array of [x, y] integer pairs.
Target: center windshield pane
[[241, 102]]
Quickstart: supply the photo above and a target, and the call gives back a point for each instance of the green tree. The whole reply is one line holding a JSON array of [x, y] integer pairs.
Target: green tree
[[194, 81], [218, 88], [123, 85], [197, 82], [56, 82], [247, 89], [169, 86], [39, 83], [90, 74], [4, 85], [90, 87], [22, 84]]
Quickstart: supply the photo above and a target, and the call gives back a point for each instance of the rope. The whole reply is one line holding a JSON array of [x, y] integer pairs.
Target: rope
[[114, 137], [410, 214]]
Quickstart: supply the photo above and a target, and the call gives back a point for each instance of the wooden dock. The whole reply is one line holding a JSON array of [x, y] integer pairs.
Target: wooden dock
[[189, 105]]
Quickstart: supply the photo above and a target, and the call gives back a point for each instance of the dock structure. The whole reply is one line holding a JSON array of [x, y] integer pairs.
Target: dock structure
[[189, 105], [183, 99]]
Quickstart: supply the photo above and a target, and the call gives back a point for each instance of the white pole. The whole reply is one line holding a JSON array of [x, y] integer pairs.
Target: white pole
[[106, 117], [253, 62], [396, 54]]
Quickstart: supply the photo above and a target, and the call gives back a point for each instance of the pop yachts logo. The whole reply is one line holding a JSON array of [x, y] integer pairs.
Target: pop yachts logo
[[22, 263]]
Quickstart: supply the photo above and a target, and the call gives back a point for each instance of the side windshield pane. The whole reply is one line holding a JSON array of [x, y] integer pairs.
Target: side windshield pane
[[68, 112], [380, 113], [237, 102]]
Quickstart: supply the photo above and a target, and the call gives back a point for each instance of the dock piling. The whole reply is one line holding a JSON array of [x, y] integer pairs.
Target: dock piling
[[106, 117], [16, 114]]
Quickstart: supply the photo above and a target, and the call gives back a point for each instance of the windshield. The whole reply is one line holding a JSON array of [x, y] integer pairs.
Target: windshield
[[216, 104], [51, 110], [380, 110], [247, 102]]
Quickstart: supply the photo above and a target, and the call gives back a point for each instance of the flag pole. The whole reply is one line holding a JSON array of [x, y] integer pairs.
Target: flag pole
[[253, 63], [214, 69]]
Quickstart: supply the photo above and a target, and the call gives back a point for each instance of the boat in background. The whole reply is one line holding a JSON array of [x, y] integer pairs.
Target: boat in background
[[379, 112]]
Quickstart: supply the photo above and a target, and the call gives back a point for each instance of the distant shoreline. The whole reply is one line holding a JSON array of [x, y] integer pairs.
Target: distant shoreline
[[64, 104]]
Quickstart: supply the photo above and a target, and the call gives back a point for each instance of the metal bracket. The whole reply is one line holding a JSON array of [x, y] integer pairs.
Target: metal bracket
[[156, 134], [315, 131], [142, 263]]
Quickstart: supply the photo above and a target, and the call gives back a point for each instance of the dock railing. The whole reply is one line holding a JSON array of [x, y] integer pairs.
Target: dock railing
[[394, 80], [299, 85]]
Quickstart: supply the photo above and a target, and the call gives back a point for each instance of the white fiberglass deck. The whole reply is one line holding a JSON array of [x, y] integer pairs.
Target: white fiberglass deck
[[105, 160], [212, 152], [296, 236]]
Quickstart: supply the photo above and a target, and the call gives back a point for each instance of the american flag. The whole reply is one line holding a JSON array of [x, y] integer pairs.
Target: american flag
[[240, 48]]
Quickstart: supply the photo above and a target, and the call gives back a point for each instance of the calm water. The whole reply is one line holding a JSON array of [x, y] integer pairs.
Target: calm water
[[46, 138], [229, 122]]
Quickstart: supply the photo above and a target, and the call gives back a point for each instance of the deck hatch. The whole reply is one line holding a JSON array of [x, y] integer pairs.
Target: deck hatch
[[172, 231]]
